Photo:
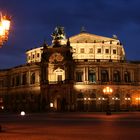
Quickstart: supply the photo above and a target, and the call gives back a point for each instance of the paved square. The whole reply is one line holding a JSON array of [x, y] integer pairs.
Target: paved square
[[70, 126]]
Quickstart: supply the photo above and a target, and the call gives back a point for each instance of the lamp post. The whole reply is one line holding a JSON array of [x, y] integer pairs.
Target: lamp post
[[4, 32], [4, 28], [107, 91]]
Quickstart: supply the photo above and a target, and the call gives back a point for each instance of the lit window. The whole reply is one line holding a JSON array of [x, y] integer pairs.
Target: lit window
[[99, 51]]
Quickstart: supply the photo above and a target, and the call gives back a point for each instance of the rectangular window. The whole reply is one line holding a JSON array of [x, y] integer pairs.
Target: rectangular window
[[99, 51], [59, 78], [82, 50], [79, 76], [37, 54], [106, 50], [114, 51], [90, 50]]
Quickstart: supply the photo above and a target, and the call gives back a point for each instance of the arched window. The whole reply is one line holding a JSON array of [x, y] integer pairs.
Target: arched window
[[92, 76], [127, 77], [32, 78], [116, 76], [17, 80], [24, 79], [59, 74], [79, 76], [104, 76]]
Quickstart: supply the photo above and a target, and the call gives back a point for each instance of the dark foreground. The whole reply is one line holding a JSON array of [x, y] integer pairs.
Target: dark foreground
[[70, 126]]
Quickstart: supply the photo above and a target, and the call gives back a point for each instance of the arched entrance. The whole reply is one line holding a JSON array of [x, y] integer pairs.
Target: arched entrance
[[60, 104]]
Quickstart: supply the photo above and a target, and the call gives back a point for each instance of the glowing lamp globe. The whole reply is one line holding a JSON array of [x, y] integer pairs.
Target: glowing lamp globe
[[22, 113]]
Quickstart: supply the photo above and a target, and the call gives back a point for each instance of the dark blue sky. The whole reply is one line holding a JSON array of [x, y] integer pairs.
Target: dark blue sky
[[34, 20]]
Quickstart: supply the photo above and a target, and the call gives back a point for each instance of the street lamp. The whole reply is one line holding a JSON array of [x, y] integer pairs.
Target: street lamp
[[4, 32], [107, 91], [4, 28]]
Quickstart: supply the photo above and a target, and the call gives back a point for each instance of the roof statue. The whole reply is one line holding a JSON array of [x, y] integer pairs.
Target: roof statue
[[58, 33], [59, 37], [83, 30], [115, 37]]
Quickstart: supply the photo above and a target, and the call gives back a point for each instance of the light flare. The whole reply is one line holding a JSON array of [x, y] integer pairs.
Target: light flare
[[4, 29]]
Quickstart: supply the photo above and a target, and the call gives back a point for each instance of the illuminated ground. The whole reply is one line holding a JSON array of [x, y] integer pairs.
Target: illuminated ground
[[71, 126]]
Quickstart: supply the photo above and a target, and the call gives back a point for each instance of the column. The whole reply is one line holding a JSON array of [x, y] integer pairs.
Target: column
[[28, 77]]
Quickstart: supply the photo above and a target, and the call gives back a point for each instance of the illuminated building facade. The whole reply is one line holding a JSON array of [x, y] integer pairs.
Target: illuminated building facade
[[70, 75]]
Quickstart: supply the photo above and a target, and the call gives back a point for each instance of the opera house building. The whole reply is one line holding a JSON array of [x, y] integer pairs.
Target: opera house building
[[85, 72]]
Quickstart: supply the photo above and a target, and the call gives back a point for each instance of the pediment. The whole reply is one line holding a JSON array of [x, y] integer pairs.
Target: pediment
[[88, 38]]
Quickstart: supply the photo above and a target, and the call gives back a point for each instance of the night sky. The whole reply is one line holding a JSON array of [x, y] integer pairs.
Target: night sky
[[33, 21]]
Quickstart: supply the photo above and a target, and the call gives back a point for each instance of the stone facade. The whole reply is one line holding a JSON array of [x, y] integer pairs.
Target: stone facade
[[70, 75]]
